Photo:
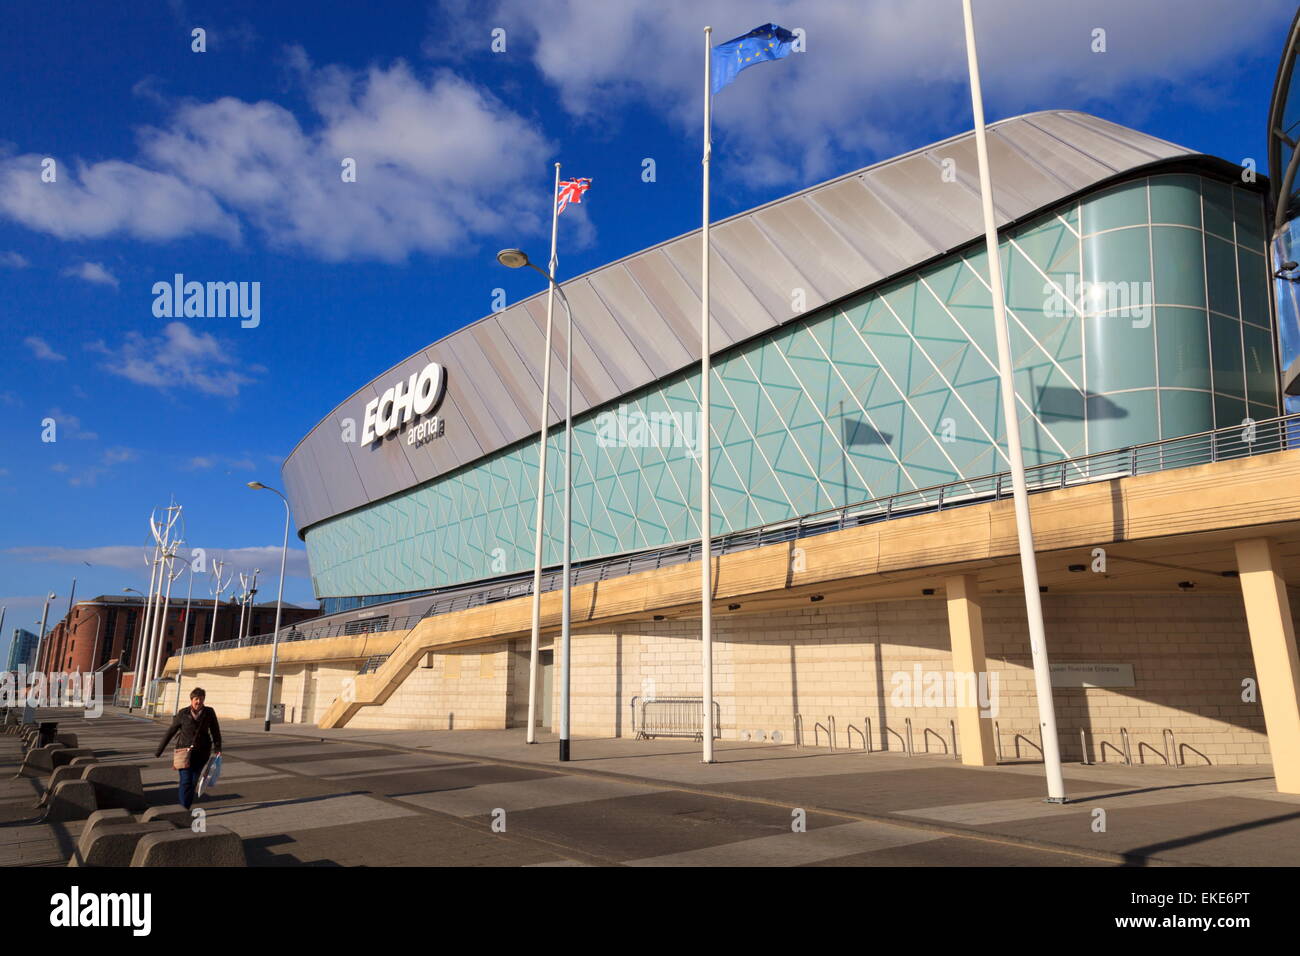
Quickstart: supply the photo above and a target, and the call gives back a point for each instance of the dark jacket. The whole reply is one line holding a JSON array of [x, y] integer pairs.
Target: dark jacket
[[202, 733]]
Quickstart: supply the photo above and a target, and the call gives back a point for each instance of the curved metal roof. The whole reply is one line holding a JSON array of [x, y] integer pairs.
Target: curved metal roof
[[636, 320]]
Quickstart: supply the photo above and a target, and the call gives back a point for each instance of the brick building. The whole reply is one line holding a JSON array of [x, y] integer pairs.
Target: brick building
[[102, 633]]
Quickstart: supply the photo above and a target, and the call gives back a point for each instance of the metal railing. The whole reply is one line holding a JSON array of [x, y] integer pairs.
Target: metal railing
[[673, 717], [1239, 441]]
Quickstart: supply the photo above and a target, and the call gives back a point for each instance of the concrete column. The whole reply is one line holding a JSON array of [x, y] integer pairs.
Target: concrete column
[[1277, 666], [966, 632]]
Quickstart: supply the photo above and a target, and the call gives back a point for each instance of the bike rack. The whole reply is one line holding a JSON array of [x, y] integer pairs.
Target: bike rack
[[798, 731], [1128, 753], [1172, 757], [927, 733], [887, 730], [820, 726], [850, 730], [911, 751], [1083, 747]]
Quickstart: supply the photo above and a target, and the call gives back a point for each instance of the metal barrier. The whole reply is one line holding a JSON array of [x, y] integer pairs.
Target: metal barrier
[[1237, 441], [830, 731], [675, 717]]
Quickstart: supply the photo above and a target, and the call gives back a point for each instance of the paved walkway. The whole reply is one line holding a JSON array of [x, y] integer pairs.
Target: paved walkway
[[304, 796]]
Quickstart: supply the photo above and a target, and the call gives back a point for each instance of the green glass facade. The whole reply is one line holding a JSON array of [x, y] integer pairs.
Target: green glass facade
[[1138, 313]]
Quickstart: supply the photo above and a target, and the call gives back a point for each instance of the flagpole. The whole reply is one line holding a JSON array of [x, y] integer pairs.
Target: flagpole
[[534, 649], [706, 505], [1024, 528]]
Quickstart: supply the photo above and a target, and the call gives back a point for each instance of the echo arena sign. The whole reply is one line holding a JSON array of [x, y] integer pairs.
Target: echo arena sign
[[408, 400]]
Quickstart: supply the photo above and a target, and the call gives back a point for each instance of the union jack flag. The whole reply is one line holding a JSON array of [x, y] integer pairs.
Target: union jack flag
[[571, 190]]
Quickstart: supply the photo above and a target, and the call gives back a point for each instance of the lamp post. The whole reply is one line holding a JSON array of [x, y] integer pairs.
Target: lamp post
[[40, 643], [125, 651], [517, 259], [279, 598]]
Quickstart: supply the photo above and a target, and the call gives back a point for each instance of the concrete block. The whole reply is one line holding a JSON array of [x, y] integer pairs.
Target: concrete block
[[68, 740], [216, 847], [114, 845], [39, 761], [66, 772], [70, 800], [107, 818], [83, 761], [64, 757], [116, 785], [173, 813]]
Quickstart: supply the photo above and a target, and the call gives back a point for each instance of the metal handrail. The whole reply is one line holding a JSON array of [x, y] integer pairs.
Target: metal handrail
[[1237, 441]]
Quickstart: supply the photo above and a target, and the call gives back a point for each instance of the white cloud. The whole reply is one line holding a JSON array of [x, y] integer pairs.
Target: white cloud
[[440, 163], [13, 260], [205, 462], [179, 358], [69, 426], [42, 350], [92, 272], [118, 455], [129, 557], [877, 73], [108, 198]]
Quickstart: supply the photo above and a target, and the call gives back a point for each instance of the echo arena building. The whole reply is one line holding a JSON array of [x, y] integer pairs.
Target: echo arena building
[[864, 541]]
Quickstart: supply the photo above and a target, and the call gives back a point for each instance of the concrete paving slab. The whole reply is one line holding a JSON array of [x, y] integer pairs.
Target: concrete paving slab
[[525, 795], [795, 849], [294, 815]]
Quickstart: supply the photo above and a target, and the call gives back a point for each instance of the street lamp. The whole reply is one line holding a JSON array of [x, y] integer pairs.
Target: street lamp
[[40, 643], [518, 259], [279, 599]]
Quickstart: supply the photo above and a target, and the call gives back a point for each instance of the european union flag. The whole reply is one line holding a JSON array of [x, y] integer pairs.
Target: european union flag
[[768, 42]]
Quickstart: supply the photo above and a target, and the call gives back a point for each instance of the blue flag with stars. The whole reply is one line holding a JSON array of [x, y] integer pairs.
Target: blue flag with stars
[[768, 42]]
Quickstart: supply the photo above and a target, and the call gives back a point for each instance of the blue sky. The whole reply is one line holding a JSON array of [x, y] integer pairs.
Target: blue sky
[[225, 165]]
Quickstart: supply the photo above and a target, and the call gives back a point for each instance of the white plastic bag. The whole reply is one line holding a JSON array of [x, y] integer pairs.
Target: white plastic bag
[[211, 774]]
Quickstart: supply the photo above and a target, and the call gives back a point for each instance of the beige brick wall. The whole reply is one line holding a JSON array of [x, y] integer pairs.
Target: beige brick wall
[[463, 690], [1190, 654], [305, 689]]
